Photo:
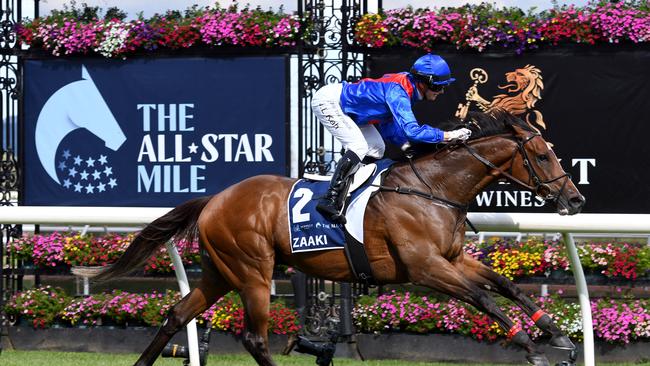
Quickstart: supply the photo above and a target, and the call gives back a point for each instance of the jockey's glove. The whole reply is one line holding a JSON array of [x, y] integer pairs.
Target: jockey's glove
[[461, 134]]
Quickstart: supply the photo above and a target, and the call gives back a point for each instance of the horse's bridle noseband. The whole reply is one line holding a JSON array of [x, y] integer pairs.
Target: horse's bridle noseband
[[540, 187]]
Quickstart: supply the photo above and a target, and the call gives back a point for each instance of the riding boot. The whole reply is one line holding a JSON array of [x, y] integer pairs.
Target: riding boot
[[332, 203]]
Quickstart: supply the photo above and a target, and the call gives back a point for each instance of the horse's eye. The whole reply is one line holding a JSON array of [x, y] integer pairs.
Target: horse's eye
[[542, 157]]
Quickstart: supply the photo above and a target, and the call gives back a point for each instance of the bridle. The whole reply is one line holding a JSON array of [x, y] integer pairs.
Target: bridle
[[539, 186]]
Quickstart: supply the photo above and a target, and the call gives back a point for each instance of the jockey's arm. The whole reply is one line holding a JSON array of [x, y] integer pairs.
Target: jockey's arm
[[400, 106]]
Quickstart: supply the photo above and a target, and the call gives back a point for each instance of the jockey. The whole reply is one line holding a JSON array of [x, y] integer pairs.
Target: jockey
[[362, 114]]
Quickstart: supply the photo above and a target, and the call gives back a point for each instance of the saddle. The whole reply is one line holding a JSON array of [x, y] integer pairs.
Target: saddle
[[349, 237]]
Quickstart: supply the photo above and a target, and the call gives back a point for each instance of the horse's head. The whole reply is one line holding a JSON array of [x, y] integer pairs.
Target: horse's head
[[532, 164], [92, 113], [537, 164]]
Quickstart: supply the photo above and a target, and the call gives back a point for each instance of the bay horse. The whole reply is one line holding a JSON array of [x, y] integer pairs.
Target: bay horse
[[244, 232]]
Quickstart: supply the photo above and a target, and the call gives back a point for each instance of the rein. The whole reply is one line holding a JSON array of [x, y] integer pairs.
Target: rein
[[540, 185], [429, 196], [491, 165]]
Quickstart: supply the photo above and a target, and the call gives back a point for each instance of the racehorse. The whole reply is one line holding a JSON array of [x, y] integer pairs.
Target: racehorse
[[414, 237]]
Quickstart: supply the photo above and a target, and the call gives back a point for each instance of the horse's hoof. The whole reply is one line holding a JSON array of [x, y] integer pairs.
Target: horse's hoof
[[537, 359], [562, 342]]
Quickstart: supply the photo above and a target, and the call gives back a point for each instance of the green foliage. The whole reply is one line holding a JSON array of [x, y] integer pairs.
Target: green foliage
[[115, 13], [84, 13], [40, 306]]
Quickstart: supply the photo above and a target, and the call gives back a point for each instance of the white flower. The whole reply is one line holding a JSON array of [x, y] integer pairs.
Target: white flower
[[115, 36]]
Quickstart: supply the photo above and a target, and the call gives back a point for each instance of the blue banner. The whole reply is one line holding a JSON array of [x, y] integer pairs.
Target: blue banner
[[151, 132]]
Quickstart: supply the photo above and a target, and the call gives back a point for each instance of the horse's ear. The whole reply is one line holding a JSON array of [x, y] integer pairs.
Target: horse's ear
[[84, 73]]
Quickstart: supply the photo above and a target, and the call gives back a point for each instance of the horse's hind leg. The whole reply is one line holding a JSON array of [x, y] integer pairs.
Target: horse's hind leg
[[256, 297], [445, 277], [485, 277], [212, 287]]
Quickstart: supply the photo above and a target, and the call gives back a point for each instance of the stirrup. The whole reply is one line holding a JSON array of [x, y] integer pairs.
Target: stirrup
[[331, 212], [339, 219]]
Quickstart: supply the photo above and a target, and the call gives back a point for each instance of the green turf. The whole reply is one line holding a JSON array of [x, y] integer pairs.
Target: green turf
[[43, 358]]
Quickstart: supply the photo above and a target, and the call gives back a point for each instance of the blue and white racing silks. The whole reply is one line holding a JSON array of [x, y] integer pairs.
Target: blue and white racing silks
[[386, 103]]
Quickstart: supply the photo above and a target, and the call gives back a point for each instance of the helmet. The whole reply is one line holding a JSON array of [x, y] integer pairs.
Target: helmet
[[432, 70]]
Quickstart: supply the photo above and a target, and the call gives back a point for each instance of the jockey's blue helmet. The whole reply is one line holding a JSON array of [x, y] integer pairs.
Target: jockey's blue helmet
[[432, 70]]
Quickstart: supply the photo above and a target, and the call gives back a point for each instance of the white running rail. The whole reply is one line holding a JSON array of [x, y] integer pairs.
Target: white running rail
[[493, 222]]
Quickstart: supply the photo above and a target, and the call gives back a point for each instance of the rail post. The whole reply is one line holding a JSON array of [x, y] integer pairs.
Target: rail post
[[583, 297], [184, 284]]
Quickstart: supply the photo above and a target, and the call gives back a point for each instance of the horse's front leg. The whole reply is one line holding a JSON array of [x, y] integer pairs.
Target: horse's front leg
[[438, 273], [483, 276]]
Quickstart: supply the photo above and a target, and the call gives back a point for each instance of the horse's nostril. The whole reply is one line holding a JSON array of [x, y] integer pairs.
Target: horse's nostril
[[577, 201]]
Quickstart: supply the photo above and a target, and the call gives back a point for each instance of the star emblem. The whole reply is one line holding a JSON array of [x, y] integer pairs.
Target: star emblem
[[89, 180], [193, 148]]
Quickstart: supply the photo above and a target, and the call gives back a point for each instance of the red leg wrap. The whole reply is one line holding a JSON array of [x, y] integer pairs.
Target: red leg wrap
[[514, 330], [538, 314]]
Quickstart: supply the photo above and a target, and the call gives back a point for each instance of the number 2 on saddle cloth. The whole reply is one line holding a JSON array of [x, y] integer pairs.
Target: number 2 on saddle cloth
[[310, 231]]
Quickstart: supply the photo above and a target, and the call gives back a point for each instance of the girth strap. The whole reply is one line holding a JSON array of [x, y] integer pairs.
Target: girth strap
[[358, 259]]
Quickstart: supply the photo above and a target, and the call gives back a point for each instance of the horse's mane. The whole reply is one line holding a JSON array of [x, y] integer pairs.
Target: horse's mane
[[492, 123], [496, 122]]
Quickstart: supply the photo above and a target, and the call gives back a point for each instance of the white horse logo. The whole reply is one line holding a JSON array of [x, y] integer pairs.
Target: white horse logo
[[76, 105]]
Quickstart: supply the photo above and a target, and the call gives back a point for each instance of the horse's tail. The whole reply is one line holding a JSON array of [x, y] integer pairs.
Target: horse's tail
[[181, 223]]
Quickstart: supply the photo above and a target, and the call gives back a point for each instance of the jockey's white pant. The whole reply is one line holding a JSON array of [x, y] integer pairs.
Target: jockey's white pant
[[362, 140]]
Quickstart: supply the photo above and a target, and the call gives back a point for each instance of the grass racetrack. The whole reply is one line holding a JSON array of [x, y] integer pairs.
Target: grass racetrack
[[43, 358]]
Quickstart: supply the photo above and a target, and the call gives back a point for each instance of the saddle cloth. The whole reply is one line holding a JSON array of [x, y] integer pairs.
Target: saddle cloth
[[311, 231]]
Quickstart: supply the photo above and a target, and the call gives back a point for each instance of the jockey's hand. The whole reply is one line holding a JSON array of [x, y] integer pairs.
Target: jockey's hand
[[461, 134], [408, 150]]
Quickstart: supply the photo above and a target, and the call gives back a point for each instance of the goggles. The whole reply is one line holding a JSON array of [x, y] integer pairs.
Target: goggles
[[431, 80]]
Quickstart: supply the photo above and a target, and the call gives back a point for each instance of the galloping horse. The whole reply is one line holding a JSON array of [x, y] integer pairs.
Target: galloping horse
[[409, 238]]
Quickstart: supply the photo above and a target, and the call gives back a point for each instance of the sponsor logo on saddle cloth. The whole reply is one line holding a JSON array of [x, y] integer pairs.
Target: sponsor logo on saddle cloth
[[309, 230]]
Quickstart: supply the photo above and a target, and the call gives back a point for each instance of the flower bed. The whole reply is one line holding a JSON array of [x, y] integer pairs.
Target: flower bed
[[484, 26], [627, 261], [57, 249], [512, 259], [45, 306], [621, 321], [82, 31]]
